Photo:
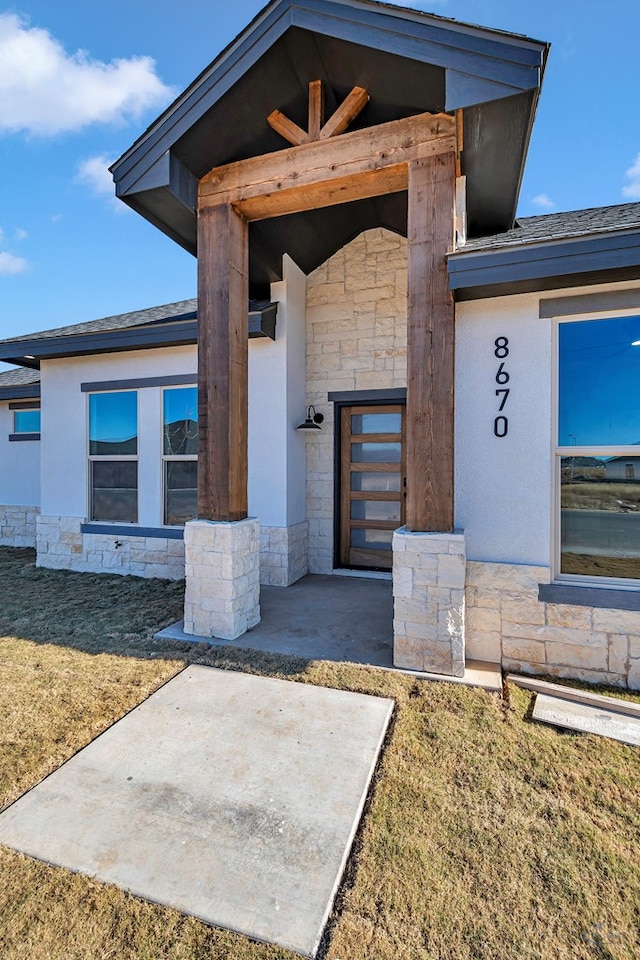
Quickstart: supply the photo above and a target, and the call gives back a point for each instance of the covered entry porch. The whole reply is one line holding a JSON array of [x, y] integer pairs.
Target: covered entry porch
[[307, 131]]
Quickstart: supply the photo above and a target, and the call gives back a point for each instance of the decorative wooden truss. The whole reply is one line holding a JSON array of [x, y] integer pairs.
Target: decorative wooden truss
[[318, 129], [326, 166]]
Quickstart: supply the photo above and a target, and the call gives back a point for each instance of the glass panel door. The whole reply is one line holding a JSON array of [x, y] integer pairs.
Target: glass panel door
[[372, 484]]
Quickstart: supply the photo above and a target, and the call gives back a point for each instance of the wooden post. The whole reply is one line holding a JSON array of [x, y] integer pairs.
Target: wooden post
[[223, 296], [430, 346]]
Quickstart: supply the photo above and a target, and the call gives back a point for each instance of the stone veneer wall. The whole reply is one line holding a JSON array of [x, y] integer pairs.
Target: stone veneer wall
[[356, 340], [429, 602], [283, 554], [506, 622], [62, 546], [18, 526], [222, 591]]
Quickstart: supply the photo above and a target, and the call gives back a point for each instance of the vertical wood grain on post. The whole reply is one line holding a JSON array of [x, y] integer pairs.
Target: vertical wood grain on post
[[223, 294], [430, 345]]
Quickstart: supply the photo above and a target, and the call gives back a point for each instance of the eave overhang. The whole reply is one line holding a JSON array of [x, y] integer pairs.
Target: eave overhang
[[27, 391], [545, 265], [30, 353], [408, 61]]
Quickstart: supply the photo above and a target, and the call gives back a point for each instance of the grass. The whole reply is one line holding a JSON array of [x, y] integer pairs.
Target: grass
[[486, 835], [599, 496]]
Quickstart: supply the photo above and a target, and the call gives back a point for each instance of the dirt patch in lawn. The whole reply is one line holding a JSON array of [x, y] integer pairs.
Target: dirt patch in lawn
[[486, 835]]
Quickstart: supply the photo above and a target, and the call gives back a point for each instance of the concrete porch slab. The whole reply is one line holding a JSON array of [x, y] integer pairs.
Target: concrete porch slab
[[342, 619], [230, 797]]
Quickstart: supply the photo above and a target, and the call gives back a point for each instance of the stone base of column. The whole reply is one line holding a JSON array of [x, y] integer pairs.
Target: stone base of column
[[222, 567], [428, 601]]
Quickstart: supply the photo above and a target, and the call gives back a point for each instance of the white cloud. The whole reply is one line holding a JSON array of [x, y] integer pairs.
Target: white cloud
[[94, 173], [45, 90], [20, 234], [632, 189], [543, 201], [9, 264]]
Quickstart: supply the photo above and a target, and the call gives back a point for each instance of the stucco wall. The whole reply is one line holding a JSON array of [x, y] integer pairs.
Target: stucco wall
[[19, 465], [503, 485], [356, 340], [276, 452], [505, 500]]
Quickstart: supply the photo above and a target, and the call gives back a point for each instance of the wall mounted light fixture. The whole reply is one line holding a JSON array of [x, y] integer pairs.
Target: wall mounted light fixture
[[313, 420]]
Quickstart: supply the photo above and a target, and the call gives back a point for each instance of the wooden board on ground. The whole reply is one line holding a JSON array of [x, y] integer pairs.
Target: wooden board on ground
[[628, 707], [587, 718]]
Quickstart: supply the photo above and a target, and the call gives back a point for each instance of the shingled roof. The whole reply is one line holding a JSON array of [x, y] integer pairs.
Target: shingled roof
[[559, 226], [555, 250], [169, 312], [169, 325], [21, 376], [19, 383]]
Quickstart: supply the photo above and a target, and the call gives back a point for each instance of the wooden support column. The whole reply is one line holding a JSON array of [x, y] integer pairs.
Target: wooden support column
[[430, 345], [223, 296]]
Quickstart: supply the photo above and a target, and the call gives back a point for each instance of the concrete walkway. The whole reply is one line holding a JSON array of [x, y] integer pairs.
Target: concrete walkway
[[232, 798], [344, 619]]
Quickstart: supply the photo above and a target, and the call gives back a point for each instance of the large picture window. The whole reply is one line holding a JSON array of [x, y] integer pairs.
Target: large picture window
[[113, 456], [598, 451], [180, 454]]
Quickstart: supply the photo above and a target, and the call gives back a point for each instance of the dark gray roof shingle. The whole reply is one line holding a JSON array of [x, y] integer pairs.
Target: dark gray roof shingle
[[558, 226], [19, 377], [182, 310]]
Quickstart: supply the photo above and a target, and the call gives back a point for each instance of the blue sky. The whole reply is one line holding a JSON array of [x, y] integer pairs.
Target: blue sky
[[70, 252], [599, 402]]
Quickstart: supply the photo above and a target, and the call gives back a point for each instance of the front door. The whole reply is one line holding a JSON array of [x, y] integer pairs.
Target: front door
[[372, 484]]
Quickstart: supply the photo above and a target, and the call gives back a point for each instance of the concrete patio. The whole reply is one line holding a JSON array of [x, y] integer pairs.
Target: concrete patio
[[232, 798], [337, 618]]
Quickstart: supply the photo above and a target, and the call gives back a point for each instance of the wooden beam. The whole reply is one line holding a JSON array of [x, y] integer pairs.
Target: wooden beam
[[287, 128], [348, 110], [316, 109], [278, 183], [223, 292], [372, 183], [430, 345]]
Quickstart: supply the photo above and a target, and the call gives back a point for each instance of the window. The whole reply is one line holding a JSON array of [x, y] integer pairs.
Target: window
[[598, 450], [180, 454], [26, 421], [113, 456]]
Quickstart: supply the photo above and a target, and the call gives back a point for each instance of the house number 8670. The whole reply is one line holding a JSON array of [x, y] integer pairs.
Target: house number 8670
[[501, 352]]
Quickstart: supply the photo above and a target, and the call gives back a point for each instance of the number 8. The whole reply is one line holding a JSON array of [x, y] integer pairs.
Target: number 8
[[502, 348]]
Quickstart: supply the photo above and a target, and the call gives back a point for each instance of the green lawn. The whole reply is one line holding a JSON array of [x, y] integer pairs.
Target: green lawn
[[486, 835]]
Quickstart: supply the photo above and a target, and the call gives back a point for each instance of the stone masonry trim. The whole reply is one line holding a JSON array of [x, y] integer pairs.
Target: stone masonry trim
[[507, 624], [18, 526], [429, 602], [222, 590]]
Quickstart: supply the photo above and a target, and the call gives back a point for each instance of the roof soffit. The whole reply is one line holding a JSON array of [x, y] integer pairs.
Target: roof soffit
[[408, 61]]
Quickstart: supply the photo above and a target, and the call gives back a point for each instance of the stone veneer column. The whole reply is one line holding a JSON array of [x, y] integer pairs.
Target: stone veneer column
[[222, 566], [428, 592]]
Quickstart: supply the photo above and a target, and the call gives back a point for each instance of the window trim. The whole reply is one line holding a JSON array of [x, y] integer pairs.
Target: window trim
[[569, 580]]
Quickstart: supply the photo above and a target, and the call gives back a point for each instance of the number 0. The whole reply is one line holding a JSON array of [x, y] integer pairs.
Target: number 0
[[501, 426]]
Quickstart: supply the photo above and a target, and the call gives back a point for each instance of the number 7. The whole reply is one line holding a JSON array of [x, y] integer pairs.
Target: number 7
[[504, 399]]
